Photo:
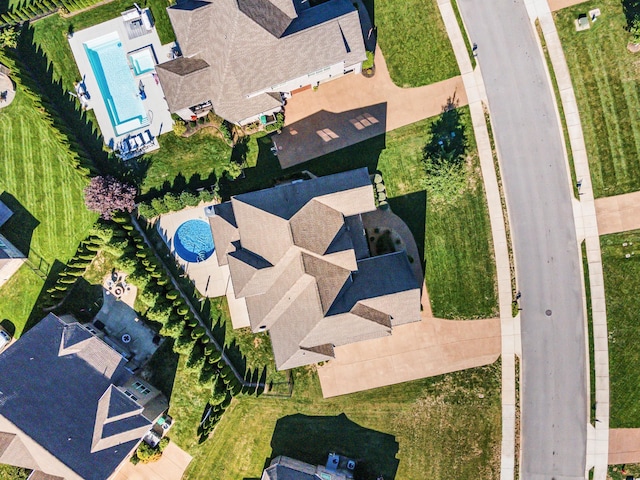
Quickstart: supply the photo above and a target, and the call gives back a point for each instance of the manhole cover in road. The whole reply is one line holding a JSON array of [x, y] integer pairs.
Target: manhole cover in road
[[547, 313]]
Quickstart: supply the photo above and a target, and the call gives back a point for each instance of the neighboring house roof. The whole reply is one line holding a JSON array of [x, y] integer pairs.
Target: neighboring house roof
[[61, 411], [5, 213], [298, 255], [252, 45]]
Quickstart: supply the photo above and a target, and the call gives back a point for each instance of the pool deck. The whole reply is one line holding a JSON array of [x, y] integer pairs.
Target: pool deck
[[155, 105], [210, 279]]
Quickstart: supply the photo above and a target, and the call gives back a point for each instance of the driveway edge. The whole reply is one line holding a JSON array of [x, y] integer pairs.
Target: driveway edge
[[509, 331], [587, 228]]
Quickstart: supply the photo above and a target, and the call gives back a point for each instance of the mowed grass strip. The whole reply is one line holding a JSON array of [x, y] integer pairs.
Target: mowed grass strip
[[605, 79], [622, 288], [52, 218], [430, 428], [414, 41]]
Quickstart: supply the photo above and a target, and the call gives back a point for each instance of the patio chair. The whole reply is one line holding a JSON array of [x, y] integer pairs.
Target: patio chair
[[146, 137], [138, 139], [133, 144], [3, 95]]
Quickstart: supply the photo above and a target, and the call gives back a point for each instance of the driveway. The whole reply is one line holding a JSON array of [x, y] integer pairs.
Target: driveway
[[619, 213], [538, 194], [171, 466], [417, 350], [311, 112], [624, 446]]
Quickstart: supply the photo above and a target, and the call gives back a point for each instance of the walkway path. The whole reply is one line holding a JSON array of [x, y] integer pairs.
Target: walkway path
[[618, 213], [171, 466], [510, 329], [587, 229]]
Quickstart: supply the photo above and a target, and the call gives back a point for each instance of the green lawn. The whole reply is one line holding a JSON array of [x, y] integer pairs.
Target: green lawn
[[46, 195], [606, 82], [622, 289], [196, 160], [414, 41], [432, 428]]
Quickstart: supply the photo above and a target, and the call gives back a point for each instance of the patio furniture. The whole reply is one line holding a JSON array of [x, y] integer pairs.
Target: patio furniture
[[3, 95], [133, 144], [138, 140], [146, 136]]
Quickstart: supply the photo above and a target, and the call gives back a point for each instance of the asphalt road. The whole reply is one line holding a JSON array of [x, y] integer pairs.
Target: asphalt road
[[554, 389]]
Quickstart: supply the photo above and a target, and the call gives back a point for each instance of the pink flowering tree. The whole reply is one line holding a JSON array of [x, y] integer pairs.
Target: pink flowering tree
[[107, 195]]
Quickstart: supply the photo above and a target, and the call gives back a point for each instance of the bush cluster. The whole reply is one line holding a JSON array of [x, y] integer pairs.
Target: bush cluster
[[172, 202], [32, 9], [276, 126], [145, 453]]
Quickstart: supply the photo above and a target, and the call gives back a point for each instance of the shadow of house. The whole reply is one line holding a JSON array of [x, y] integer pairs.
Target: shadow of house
[[17, 228], [311, 439], [326, 132], [268, 171], [412, 209]]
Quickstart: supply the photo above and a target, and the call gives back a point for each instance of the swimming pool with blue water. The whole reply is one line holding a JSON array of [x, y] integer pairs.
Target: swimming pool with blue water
[[193, 241], [116, 83]]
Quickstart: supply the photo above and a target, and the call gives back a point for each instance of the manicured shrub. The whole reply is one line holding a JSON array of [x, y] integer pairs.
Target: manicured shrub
[[197, 332]]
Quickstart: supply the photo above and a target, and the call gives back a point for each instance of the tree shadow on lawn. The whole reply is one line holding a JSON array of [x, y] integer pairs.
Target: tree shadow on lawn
[[20, 226], [631, 10], [66, 114], [311, 439], [37, 312]]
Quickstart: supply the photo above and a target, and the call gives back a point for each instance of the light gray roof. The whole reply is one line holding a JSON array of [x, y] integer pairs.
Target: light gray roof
[[285, 468], [302, 279], [66, 377], [253, 45]]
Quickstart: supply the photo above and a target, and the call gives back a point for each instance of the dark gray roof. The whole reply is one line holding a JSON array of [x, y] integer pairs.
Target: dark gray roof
[[253, 45], [61, 394], [285, 468], [5, 213], [301, 276]]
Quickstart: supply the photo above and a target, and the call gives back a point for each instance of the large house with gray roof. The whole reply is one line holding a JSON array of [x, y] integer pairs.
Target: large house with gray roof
[[69, 408], [242, 58], [298, 255]]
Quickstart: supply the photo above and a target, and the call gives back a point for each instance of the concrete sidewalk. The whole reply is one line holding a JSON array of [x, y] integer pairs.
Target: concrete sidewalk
[[619, 213], [587, 229], [510, 344]]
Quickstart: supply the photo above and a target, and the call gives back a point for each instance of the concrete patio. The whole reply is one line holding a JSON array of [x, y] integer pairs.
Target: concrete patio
[[210, 279], [121, 323]]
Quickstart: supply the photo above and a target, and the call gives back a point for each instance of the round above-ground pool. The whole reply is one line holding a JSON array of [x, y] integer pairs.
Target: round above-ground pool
[[193, 241]]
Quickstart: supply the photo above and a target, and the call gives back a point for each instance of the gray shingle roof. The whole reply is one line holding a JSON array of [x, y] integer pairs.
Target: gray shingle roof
[[61, 398], [252, 45], [302, 279]]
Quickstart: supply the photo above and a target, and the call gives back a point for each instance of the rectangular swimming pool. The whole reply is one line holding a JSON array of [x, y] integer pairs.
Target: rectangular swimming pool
[[142, 61], [117, 86]]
